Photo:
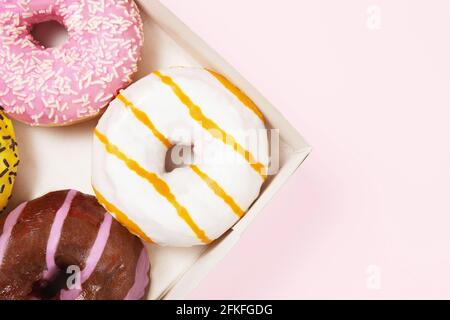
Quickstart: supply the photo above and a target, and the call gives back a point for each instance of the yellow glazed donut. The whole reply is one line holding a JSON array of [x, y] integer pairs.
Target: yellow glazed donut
[[186, 109], [9, 159]]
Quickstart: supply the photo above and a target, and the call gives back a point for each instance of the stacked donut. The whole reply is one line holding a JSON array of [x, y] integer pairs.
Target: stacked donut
[[178, 156]]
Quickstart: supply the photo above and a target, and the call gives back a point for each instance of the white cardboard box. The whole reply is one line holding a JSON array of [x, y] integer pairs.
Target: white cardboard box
[[59, 158]]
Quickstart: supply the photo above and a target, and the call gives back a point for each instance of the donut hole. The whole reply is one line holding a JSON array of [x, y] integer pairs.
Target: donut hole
[[47, 290], [179, 156], [49, 34]]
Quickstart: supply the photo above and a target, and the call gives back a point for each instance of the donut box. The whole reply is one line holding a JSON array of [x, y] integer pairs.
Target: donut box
[[60, 157]]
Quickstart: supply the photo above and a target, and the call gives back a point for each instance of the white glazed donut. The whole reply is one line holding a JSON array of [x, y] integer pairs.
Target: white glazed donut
[[195, 203]]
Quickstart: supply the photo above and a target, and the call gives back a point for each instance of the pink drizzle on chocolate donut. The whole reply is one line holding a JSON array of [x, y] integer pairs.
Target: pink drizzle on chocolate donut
[[141, 277], [55, 235], [93, 258], [10, 222]]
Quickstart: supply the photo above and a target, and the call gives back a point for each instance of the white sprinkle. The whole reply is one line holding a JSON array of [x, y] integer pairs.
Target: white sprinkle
[[52, 91], [5, 92], [52, 113], [98, 96], [79, 100], [107, 98], [36, 117]]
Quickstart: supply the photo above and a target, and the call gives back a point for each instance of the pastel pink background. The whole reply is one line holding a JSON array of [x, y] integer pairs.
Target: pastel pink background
[[375, 104]]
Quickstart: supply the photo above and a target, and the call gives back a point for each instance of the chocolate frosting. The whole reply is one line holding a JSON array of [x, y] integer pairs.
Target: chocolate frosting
[[64, 245]]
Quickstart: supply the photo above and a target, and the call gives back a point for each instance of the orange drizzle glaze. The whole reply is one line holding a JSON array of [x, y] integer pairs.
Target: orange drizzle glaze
[[208, 124], [121, 217], [213, 185], [217, 189], [238, 93], [160, 185], [142, 117]]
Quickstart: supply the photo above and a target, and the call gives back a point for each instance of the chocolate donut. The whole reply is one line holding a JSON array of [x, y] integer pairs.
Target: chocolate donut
[[65, 246]]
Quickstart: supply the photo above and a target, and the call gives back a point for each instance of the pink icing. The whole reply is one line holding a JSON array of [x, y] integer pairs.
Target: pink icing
[[10, 222], [55, 235], [141, 277], [60, 85], [93, 258]]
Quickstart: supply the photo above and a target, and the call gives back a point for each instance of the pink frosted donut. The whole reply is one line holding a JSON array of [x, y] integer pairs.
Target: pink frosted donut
[[66, 84]]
